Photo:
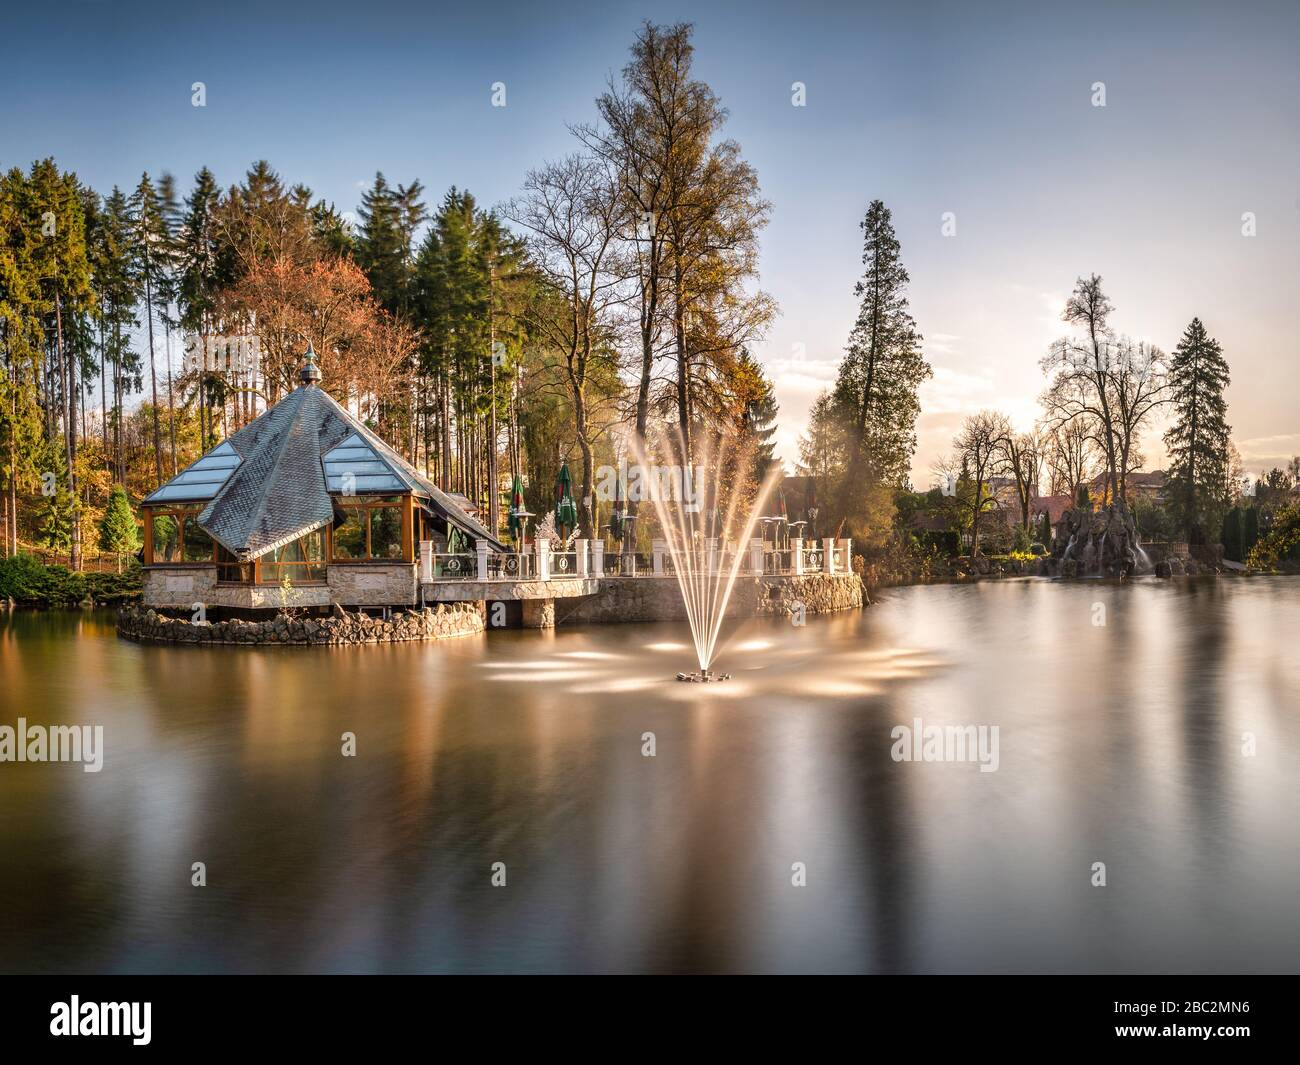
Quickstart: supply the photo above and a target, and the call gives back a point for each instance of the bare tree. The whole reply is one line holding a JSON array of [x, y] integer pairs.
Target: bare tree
[[978, 455], [574, 212], [1139, 385], [655, 127], [1022, 457], [1112, 385], [1070, 454]]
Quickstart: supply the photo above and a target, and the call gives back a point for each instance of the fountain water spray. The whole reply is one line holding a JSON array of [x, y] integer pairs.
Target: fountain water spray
[[706, 548]]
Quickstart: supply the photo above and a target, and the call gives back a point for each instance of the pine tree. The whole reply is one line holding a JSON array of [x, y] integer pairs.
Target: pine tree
[[22, 338], [149, 248], [117, 284], [876, 389], [389, 217], [118, 531], [56, 223], [453, 296], [758, 415], [1233, 534], [1198, 442], [168, 290], [198, 262], [1249, 530], [331, 231], [54, 515]]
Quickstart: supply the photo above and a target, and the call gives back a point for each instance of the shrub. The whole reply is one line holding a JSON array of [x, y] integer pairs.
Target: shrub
[[1280, 547], [26, 580]]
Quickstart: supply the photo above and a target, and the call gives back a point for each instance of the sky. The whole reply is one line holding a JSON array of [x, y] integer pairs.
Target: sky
[[983, 110]]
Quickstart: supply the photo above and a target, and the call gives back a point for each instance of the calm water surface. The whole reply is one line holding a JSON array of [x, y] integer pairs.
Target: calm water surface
[[1120, 743]]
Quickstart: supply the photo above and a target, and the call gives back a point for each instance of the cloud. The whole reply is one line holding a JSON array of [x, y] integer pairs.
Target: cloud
[[1265, 452], [941, 343]]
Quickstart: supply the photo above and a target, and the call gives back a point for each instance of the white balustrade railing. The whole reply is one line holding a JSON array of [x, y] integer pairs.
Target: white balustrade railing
[[453, 567], [591, 558]]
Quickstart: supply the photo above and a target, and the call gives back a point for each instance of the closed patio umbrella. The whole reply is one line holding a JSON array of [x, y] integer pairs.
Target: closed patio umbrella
[[566, 510], [514, 522]]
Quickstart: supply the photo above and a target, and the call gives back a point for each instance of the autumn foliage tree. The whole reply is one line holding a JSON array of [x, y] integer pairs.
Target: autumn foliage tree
[[364, 352]]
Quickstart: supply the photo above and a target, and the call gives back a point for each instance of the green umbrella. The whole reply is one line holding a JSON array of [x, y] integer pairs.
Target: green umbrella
[[566, 510], [515, 523]]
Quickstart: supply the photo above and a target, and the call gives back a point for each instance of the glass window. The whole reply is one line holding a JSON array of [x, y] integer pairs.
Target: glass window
[[302, 561], [166, 538], [198, 544], [385, 532], [350, 537], [371, 529], [178, 538]]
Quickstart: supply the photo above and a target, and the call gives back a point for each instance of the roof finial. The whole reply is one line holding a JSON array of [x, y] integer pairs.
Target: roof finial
[[310, 372]]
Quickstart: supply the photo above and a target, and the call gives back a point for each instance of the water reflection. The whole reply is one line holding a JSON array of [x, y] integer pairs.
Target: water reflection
[[1121, 742]]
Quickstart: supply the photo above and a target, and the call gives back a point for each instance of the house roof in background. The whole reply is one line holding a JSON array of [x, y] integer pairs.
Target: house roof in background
[[1054, 506]]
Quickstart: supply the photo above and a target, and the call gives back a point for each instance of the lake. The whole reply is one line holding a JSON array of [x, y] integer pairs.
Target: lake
[[1151, 726]]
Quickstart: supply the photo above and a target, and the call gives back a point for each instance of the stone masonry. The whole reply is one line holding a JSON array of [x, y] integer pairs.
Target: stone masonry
[[339, 627]]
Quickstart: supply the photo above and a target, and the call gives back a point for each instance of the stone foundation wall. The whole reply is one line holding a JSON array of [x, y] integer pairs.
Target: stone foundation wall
[[660, 599], [178, 586], [339, 627], [372, 584], [368, 584]]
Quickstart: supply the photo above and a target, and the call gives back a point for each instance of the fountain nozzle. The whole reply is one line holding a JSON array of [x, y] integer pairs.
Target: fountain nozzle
[[703, 676]]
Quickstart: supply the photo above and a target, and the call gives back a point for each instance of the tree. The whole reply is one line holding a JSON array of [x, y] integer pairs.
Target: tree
[[1109, 384], [1069, 451], [326, 303], [1199, 440], [713, 254], [22, 341], [1280, 546], [150, 246], [56, 227], [1021, 455], [820, 448], [977, 457], [118, 286], [1233, 534], [655, 126], [261, 219], [389, 217], [198, 256], [54, 515], [1249, 530], [452, 304], [574, 212], [876, 387], [756, 401], [118, 531]]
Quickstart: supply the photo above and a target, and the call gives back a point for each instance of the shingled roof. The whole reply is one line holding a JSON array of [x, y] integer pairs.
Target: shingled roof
[[273, 478]]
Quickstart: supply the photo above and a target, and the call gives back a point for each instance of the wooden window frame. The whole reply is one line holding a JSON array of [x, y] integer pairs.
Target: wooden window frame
[[179, 511], [325, 561], [406, 504]]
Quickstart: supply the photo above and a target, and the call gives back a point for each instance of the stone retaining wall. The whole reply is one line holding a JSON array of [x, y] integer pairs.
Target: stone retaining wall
[[660, 599], [339, 627], [351, 584]]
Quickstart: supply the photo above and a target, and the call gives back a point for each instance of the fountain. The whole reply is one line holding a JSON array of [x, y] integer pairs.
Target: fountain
[[706, 544], [1098, 543]]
